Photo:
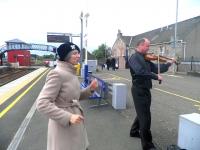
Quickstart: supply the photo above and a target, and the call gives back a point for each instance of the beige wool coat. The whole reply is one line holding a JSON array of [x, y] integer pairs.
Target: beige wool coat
[[58, 100]]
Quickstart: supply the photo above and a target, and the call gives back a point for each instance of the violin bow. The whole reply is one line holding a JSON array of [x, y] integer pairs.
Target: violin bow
[[159, 65]]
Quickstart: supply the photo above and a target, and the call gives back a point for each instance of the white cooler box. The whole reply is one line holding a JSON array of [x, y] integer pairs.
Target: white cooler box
[[119, 95], [189, 131]]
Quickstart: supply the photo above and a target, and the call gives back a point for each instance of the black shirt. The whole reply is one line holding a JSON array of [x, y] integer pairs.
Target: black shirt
[[143, 71]]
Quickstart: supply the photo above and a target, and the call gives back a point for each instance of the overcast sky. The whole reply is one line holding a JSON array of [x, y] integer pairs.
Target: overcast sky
[[30, 20]]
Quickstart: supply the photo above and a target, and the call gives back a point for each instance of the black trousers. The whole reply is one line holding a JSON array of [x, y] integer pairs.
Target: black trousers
[[142, 122]]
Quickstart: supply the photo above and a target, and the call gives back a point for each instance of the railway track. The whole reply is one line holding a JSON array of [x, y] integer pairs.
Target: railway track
[[13, 74]]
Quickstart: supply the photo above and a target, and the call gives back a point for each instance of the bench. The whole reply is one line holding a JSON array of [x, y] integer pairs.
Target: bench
[[100, 93]]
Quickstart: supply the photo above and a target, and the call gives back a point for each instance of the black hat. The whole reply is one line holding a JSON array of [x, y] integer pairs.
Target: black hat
[[65, 48]]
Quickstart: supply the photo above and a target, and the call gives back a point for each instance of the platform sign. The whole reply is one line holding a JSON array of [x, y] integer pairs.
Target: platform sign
[[58, 38]]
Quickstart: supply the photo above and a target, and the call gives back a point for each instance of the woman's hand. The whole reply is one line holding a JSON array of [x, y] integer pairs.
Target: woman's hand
[[76, 119], [93, 85]]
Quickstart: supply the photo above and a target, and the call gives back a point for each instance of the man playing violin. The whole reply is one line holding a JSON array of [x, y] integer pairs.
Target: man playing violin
[[142, 72]]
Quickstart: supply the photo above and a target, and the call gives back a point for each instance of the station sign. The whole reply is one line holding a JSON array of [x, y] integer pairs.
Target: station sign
[[58, 37]]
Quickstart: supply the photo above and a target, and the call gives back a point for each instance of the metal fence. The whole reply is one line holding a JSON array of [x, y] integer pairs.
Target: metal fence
[[189, 64]]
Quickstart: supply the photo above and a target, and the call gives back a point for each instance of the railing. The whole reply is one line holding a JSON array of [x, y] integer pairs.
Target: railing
[[25, 46], [100, 94], [2, 49]]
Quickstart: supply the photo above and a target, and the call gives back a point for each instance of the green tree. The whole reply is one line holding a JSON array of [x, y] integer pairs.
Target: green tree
[[100, 52], [51, 56]]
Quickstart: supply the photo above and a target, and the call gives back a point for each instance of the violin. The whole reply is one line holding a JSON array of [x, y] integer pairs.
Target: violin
[[160, 58]]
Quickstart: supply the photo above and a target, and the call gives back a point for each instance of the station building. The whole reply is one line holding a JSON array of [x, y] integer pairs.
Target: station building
[[23, 57], [163, 42], [17, 56]]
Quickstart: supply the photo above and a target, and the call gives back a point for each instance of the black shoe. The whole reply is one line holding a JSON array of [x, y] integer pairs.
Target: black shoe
[[135, 134]]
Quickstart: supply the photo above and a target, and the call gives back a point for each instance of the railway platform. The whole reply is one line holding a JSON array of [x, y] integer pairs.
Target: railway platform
[[107, 128], [13, 87]]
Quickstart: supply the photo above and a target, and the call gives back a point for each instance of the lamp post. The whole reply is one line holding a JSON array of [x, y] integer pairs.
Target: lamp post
[[86, 35], [84, 68], [81, 38], [175, 34]]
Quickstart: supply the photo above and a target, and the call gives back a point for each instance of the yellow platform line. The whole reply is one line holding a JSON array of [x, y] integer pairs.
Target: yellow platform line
[[15, 89], [197, 106], [117, 77], [183, 97], [2, 113]]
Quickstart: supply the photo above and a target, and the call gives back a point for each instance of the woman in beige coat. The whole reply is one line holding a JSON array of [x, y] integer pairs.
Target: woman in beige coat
[[59, 100]]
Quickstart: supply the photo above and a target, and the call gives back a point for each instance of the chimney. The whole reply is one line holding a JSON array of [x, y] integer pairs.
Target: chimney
[[119, 34]]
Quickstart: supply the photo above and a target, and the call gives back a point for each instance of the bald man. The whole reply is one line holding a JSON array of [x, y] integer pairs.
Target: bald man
[[142, 72]]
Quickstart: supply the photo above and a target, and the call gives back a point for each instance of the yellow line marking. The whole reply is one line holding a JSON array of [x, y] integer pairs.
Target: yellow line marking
[[197, 106], [171, 75], [174, 76], [183, 97], [114, 78], [2, 113], [118, 77], [186, 98], [15, 89], [130, 80], [107, 78]]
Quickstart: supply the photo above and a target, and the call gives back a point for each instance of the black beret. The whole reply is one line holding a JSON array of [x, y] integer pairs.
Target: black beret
[[65, 48]]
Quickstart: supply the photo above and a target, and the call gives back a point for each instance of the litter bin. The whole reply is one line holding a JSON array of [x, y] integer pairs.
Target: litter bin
[[119, 95]]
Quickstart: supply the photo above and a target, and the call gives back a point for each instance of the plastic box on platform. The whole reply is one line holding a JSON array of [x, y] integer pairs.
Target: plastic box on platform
[[189, 131], [92, 65], [119, 95]]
